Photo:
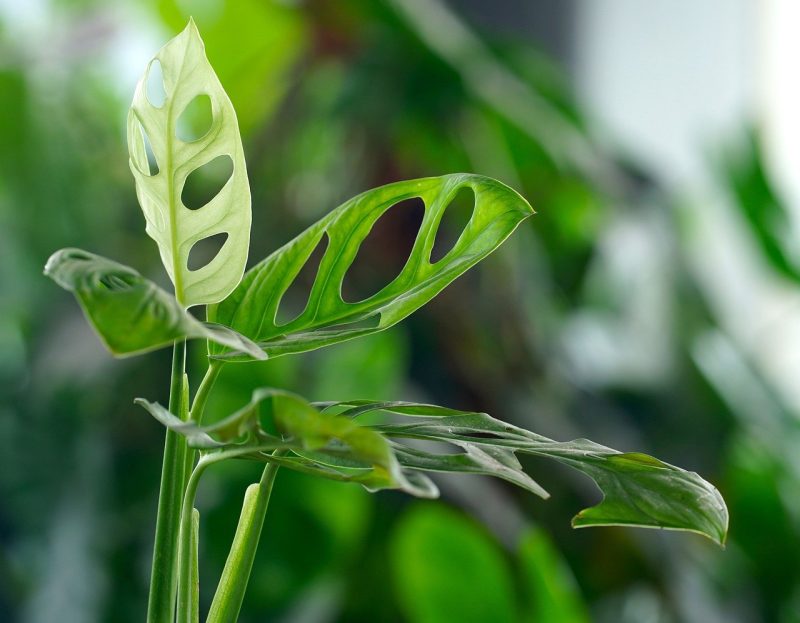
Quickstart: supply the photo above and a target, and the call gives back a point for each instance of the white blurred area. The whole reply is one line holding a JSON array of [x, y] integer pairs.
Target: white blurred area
[[671, 84]]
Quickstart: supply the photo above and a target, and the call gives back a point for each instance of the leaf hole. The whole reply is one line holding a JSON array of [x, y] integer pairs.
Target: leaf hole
[[154, 84], [295, 300], [205, 182], [205, 250], [118, 282], [456, 216], [149, 166], [195, 120], [385, 251]]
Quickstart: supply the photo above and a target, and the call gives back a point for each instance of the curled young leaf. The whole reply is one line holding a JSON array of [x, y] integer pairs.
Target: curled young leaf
[[321, 444], [187, 76], [327, 318], [131, 314]]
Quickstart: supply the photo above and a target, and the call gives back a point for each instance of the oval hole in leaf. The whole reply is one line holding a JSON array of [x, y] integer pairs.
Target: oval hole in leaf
[[384, 252], [294, 300], [154, 85], [205, 250], [455, 218], [195, 120], [151, 166], [119, 282], [205, 182]]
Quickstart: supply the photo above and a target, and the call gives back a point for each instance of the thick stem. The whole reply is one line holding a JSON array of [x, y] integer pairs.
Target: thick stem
[[163, 578], [232, 585]]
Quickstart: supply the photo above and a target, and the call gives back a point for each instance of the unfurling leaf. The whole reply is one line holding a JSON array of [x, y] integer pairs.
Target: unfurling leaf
[[327, 318], [131, 314], [187, 76], [320, 444], [325, 439]]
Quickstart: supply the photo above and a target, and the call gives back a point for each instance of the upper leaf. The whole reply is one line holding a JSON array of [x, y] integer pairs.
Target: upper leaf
[[327, 319], [187, 75], [130, 313]]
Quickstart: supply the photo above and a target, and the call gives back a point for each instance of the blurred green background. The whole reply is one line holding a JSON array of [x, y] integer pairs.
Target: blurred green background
[[652, 304]]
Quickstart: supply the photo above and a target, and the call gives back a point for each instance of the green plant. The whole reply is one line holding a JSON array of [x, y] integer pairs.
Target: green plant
[[381, 445]]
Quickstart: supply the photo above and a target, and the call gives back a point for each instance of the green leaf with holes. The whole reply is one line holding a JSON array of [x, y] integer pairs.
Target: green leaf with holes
[[187, 79], [401, 440], [327, 318], [131, 314], [638, 490]]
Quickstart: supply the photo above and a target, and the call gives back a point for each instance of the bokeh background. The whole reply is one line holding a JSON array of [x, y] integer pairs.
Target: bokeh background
[[652, 304]]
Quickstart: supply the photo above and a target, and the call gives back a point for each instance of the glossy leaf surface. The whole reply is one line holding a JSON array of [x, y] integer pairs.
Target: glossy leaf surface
[[327, 318], [325, 439], [187, 75], [131, 314], [638, 490]]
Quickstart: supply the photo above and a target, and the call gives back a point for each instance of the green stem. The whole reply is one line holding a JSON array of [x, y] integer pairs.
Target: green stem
[[232, 585], [198, 407], [186, 586], [161, 602], [200, 399]]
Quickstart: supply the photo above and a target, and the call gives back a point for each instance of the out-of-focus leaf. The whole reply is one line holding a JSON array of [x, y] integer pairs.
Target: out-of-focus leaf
[[327, 319], [269, 37], [757, 200], [553, 595], [131, 314], [187, 75], [445, 568], [638, 489]]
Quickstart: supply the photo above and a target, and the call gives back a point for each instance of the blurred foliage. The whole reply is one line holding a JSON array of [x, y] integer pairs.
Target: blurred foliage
[[592, 321]]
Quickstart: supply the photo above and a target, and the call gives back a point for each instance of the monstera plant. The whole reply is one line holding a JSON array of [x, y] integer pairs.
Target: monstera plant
[[375, 444]]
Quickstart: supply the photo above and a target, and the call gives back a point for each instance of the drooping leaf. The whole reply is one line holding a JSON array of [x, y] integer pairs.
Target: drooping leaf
[[638, 489], [327, 318], [325, 439], [131, 314], [187, 75], [446, 568]]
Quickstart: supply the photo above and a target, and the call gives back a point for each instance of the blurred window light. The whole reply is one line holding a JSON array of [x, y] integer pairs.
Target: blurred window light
[[666, 79], [779, 93]]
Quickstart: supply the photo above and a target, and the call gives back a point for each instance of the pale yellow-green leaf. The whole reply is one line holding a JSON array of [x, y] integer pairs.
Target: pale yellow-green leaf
[[187, 75]]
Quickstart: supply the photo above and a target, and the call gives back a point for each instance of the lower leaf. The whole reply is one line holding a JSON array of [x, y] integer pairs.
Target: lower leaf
[[327, 440]]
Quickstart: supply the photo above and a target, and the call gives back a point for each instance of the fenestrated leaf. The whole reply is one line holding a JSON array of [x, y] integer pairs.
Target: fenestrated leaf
[[131, 314], [187, 75], [638, 489], [327, 318]]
